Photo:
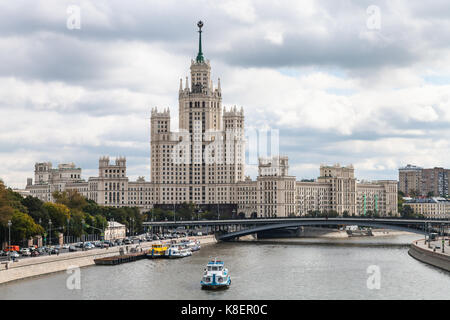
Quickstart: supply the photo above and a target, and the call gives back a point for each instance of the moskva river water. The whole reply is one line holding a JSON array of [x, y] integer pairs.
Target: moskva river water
[[354, 268]]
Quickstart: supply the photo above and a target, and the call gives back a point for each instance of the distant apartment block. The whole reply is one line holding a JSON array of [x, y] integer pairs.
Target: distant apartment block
[[417, 181]]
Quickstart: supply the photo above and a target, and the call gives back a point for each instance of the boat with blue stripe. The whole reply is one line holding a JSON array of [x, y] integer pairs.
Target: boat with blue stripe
[[215, 276]]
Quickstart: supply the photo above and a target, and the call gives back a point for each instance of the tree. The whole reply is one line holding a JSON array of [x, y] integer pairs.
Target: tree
[[400, 201], [186, 211], [59, 214], [35, 208], [413, 193], [407, 212], [76, 228], [70, 198], [24, 227]]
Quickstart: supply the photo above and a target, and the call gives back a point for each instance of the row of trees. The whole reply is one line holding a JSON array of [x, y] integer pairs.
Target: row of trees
[[71, 214], [187, 211]]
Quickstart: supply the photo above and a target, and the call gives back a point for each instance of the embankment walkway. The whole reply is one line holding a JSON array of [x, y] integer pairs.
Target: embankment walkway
[[36, 266], [420, 250]]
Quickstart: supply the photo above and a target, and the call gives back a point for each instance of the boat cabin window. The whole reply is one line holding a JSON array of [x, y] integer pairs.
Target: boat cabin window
[[215, 268]]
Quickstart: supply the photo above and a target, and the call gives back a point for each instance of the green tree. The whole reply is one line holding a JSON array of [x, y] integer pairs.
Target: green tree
[[59, 213], [71, 199], [400, 201], [408, 212], [413, 193], [35, 208], [76, 228], [24, 227]]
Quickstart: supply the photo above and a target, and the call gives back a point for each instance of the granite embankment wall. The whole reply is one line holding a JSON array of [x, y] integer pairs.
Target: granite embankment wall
[[426, 255], [36, 266]]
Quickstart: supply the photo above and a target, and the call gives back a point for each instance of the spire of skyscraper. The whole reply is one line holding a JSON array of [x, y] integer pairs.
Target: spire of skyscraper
[[200, 53]]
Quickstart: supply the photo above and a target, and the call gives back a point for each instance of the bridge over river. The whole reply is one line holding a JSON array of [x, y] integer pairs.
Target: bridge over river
[[233, 228]]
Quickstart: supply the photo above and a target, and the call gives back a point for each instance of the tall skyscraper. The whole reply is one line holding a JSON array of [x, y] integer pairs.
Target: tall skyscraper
[[204, 163]]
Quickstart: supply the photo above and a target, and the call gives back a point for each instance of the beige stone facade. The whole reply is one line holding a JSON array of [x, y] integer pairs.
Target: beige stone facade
[[435, 207], [115, 230]]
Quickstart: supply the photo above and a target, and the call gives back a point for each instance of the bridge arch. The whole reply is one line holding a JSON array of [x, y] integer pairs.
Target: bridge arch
[[275, 226]]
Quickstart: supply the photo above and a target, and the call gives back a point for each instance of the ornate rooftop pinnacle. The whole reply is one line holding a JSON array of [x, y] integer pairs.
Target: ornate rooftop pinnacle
[[200, 53]]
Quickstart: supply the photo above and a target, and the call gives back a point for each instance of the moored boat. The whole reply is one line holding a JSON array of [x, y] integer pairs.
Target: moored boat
[[177, 251], [157, 251], [215, 276], [192, 245]]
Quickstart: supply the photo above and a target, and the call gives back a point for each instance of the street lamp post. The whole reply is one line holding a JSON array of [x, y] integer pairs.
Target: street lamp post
[[112, 231], [82, 227], [9, 239], [68, 226], [50, 233]]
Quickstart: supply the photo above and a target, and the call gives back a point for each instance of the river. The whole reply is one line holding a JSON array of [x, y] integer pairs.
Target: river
[[275, 269]]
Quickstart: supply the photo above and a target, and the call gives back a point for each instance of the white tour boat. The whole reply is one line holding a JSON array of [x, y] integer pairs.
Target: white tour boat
[[215, 276], [193, 245], [177, 251]]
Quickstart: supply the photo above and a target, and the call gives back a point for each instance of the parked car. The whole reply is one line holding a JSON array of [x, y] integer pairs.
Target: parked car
[[2, 253], [25, 252], [72, 249], [127, 241], [65, 246], [35, 253], [13, 254], [54, 250]]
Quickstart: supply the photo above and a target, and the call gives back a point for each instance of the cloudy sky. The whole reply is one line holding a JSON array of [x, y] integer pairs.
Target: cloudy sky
[[343, 81]]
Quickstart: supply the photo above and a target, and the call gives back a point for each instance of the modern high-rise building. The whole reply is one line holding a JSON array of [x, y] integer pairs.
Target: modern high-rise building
[[416, 181], [204, 163]]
